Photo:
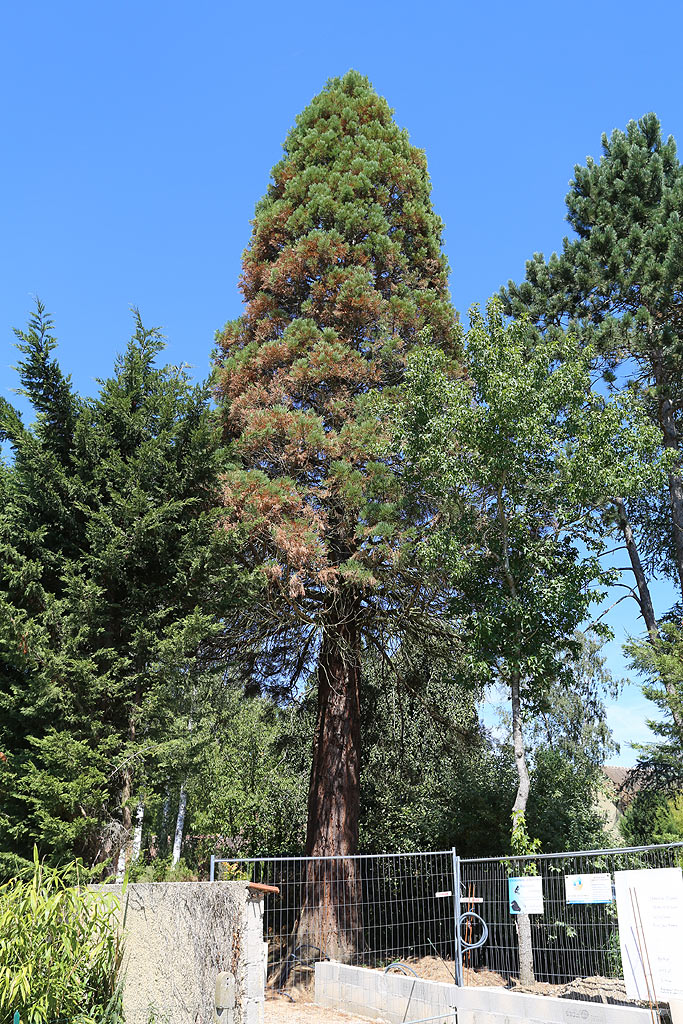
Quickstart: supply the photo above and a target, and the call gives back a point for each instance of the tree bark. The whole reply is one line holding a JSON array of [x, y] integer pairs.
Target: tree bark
[[644, 599], [330, 916], [125, 850], [121, 865], [166, 810], [526, 951], [126, 823], [137, 834], [523, 781], [179, 825], [672, 441]]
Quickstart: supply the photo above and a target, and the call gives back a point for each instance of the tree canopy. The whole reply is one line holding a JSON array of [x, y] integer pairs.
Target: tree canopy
[[343, 271], [273, 606], [114, 578]]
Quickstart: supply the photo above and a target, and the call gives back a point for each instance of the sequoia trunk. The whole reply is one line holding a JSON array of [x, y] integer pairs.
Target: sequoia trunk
[[330, 914]]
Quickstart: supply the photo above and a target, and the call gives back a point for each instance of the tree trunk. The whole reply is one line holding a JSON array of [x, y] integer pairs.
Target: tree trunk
[[676, 497], [523, 783], [137, 834], [165, 813], [526, 951], [179, 825], [126, 823], [125, 849], [330, 917], [182, 808], [644, 599], [121, 865], [672, 441]]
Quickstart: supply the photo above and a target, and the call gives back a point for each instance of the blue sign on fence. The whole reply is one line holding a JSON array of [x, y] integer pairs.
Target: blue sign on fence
[[526, 894]]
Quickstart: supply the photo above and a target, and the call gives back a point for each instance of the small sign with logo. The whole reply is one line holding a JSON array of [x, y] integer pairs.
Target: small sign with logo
[[591, 888], [526, 894]]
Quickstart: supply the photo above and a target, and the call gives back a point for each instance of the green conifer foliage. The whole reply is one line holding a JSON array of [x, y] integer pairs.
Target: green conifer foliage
[[619, 283], [343, 272], [114, 576]]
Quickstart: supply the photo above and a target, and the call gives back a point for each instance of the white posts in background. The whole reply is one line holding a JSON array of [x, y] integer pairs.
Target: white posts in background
[[121, 862]]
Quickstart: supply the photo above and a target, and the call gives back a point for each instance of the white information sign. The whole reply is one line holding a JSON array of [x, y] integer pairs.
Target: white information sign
[[650, 909], [526, 894], [591, 888]]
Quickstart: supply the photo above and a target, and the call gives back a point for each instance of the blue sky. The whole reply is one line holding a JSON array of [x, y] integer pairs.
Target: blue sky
[[138, 136]]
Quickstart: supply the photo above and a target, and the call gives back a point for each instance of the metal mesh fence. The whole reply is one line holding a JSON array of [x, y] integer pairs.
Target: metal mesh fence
[[368, 910], [375, 910], [575, 946]]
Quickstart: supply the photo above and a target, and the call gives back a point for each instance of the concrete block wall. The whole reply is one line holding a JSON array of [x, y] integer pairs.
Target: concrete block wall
[[393, 997], [178, 936], [399, 998]]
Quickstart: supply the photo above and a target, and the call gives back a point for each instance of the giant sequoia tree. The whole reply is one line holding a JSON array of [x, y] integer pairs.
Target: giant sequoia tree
[[343, 271]]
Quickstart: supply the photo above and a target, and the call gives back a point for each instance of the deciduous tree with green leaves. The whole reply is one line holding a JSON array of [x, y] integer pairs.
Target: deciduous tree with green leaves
[[619, 284], [521, 454], [659, 661]]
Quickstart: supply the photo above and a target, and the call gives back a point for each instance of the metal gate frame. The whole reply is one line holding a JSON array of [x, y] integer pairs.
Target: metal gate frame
[[407, 902], [456, 872]]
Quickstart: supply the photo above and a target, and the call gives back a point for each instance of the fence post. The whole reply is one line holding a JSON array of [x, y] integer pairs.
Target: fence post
[[456, 911], [213, 867]]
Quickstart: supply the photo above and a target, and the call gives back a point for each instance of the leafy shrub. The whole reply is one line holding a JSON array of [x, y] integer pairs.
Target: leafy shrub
[[232, 873], [60, 950], [669, 820], [162, 870]]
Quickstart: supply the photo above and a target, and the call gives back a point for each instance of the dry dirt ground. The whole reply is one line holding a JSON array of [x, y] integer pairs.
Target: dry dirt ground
[[302, 1010], [592, 989], [280, 1010]]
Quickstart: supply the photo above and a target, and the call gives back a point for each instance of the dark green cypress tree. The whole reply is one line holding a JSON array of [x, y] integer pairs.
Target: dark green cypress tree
[[113, 512], [38, 532]]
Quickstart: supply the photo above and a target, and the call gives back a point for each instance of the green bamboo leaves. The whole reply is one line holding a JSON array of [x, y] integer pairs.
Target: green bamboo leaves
[[60, 950]]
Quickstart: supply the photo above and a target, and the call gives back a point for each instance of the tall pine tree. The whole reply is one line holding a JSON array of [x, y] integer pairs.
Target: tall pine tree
[[618, 282], [343, 272]]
